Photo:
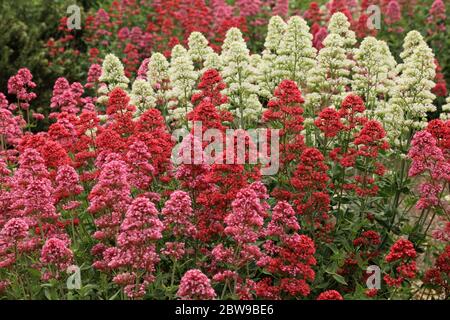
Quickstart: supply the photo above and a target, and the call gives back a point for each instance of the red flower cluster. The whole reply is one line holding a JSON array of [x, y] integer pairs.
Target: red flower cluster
[[403, 255]]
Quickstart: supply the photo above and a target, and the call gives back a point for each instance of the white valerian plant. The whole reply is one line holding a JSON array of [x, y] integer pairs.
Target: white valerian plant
[[183, 79], [198, 49], [445, 114], [158, 78], [240, 75], [142, 96], [212, 61], [411, 96], [158, 70], [328, 80], [296, 53], [374, 71], [113, 76], [269, 76], [340, 25]]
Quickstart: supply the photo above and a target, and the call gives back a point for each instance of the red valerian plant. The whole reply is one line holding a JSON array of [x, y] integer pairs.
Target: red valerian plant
[[402, 258]]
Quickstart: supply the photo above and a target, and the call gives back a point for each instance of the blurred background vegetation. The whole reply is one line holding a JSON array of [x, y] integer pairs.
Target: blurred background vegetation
[[25, 27]]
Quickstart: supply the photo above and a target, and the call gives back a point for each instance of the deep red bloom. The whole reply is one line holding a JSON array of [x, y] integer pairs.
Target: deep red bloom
[[330, 295], [329, 122]]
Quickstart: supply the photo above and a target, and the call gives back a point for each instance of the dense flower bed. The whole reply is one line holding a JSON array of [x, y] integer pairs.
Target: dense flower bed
[[363, 177]]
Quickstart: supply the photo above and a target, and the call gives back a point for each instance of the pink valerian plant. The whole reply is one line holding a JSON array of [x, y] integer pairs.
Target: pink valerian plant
[[10, 125], [109, 198], [67, 183], [193, 175], [428, 160], [4, 104], [4, 173], [32, 191], [245, 222], [136, 248], [283, 220], [281, 8], [244, 225], [393, 13], [5, 196], [442, 232], [143, 69], [248, 7], [57, 254], [175, 250], [12, 235], [437, 17], [10, 128], [195, 285], [19, 85], [178, 215], [141, 171], [67, 97], [94, 74]]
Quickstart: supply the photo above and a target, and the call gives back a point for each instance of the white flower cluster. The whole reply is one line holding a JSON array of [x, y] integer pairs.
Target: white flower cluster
[[327, 82], [158, 77], [373, 73], [240, 75], [445, 115], [199, 49], [158, 70], [269, 74], [340, 25], [183, 79], [113, 76], [411, 96], [296, 53], [142, 96]]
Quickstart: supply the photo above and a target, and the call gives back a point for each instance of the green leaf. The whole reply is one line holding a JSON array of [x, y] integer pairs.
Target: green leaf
[[339, 279]]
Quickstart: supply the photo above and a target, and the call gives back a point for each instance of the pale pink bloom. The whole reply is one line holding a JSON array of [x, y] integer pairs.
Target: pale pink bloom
[[55, 252], [194, 285], [393, 12], [178, 215]]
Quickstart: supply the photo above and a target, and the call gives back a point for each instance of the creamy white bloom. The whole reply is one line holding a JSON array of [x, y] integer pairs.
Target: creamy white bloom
[[340, 25], [445, 114], [198, 48], [411, 96], [327, 81], [240, 75], [296, 53], [183, 80], [158, 78], [269, 76], [374, 71], [142, 96], [113, 76], [158, 70], [212, 61], [275, 32]]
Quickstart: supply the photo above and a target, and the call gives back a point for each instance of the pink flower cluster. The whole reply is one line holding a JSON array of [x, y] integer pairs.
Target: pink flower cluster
[[19, 85], [195, 285]]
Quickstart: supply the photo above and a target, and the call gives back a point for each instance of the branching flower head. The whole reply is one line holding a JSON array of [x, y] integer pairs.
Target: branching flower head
[[194, 285]]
